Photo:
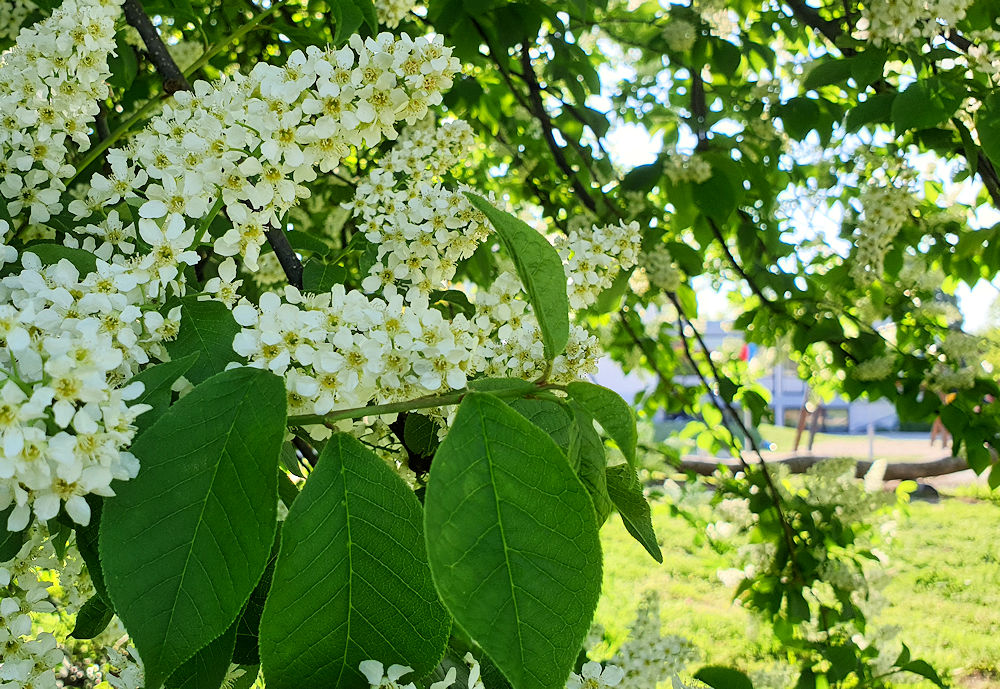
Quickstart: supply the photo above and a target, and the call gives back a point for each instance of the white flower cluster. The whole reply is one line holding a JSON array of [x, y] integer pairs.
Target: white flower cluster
[[391, 12], [681, 167], [29, 658], [832, 483], [648, 656], [679, 35], [593, 675], [254, 140], [593, 257], [901, 21], [513, 345], [886, 208], [660, 268], [124, 669], [341, 349], [67, 343], [380, 677], [959, 362], [50, 85], [876, 368], [420, 228], [12, 15]]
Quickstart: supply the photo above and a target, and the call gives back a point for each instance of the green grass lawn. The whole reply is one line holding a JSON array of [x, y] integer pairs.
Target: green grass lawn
[[945, 594]]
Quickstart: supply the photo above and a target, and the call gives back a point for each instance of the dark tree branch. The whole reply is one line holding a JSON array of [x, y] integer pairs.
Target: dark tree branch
[[538, 109], [101, 122], [173, 77], [723, 405], [894, 471], [286, 255], [699, 110], [828, 28]]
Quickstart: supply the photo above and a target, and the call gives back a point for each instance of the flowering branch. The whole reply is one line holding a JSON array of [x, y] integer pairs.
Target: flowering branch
[[832, 30], [174, 81]]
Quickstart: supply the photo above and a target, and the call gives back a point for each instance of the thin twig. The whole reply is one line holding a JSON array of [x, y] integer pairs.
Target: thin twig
[[538, 109]]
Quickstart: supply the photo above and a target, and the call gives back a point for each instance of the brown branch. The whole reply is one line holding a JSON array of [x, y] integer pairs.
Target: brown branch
[[894, 471], [699, 110], [538, 109], [286, 255], [725, 406], [173, 77], [101, 122], [828, 28]]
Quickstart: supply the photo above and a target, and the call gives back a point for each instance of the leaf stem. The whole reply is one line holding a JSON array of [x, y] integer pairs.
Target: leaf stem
[[426, 402]]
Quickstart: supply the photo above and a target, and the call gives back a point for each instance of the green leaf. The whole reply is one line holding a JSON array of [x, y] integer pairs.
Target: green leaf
[[10, 541], [831, 71], [799, 116], [420, 434], [924, 104], [593, 461], [246, 650], [303, 241], [207, 328], [87, 543], [625, 491], [501, 384], [456, 299], [717, 196], [123, 65], [611, 298], [351, 582], [208, 667], [50, 254], [59, 533], [553, 418], [868, 67], [512, 543], [349, 15], [611, 411], [988, 128], [924, 669], [723, 678], [204, 503], [319, 276], [157, 393], [541, 271], [92, 619]]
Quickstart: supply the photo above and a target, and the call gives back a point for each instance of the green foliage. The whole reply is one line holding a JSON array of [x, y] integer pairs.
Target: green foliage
[[207, 329], [351, 582], [157, 381], [625, 492], [541, 271], [92, 619], [723, 678], [512, 543], [10, 541], [208, 667], [608, 408], [204, 503]]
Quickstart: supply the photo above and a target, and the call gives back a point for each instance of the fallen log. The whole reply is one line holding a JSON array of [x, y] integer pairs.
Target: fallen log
[[894, 471]]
